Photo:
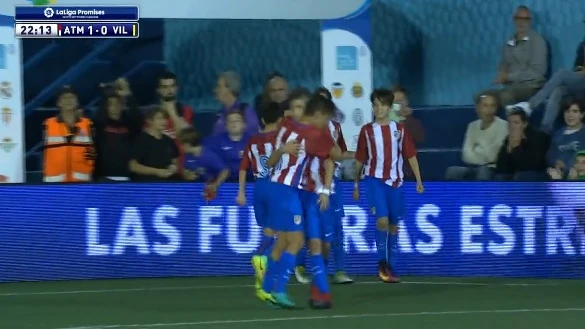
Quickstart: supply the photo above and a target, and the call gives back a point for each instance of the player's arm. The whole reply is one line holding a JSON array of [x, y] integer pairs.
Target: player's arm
[[288, 148], [409, 152], [361, 156], [244, 167], [329, 166]]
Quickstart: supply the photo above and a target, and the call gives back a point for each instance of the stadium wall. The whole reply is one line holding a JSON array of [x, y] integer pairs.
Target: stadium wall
[[61, 232]]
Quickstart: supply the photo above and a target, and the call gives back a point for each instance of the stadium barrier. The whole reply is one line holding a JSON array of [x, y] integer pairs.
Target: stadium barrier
[[58, 232]]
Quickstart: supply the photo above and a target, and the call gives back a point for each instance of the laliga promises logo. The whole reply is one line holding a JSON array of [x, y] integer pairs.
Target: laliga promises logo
[[49, 12]]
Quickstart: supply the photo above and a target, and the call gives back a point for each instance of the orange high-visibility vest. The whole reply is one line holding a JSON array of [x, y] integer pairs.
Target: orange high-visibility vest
[[65, 157]]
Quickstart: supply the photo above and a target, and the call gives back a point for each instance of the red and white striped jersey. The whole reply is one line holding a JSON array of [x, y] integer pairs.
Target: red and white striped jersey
[[314, 143], [314, 176], [382, 149], [257, 152], [337, 134]]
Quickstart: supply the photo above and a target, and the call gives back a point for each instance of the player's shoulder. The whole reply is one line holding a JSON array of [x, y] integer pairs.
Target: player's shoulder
[[335, 124], [367, 126]]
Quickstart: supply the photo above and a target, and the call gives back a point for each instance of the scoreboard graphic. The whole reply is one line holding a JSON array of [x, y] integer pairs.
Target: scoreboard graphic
[[76, 22]]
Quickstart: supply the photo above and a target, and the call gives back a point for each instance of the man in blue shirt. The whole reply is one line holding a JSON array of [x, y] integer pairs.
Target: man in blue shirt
[[201, 164], [230, 145]]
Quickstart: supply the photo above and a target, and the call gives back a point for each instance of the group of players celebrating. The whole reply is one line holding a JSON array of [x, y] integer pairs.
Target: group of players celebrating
[[296, 163]]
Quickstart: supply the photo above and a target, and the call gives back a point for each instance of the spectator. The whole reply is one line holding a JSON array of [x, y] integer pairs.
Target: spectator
[[69, 153], [567, 141], [562, 83], [201, 164], [154, 155], [227, 92], [230, 145], [524, 62], [412, 124], [297, 102], [275, 90], [523, 155], [179, 115], [118, 122], [483, 140], [577, 172]]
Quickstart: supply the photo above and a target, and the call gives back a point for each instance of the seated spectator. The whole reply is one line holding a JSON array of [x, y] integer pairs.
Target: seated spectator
[[154, 154], [524, 62], [567, 141], [577, 172], [230, 145], [562, 84], [227, 92], [523, 155], [275, 90], [201, 164], [118, 122], [412, 124], [69, 151], [483, 140]]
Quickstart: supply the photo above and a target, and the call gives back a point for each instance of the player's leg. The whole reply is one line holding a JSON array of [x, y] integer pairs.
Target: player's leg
[[292, 215], [395, 201], [300, 268], [320, 293], [337, 244], [375, 190], [259, 260]]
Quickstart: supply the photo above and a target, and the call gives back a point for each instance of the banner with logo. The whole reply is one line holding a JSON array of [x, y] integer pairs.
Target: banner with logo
[[11, 108], [88, 231], [347, 69]]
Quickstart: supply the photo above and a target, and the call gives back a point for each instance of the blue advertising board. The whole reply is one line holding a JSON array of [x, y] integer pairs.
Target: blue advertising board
[[57, 232]]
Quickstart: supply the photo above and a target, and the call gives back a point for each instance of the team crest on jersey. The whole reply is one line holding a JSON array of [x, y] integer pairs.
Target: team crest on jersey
[[241, 154], [297, 219], [264, 164], [397, 134]]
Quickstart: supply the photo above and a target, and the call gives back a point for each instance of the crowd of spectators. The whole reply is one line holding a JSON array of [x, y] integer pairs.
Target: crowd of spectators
[[122, 143]]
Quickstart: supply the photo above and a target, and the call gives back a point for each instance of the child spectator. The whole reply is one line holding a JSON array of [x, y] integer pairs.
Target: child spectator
[[482, 142], [523, 155], [154, 156], [567, 141], [230, 145]]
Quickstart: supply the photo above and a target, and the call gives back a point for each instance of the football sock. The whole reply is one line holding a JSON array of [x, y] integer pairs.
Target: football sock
[[302, 257], [381, 245], [393, 249], [270, 275], [319, 273], [337, 246], [265, 245], [287, 264]]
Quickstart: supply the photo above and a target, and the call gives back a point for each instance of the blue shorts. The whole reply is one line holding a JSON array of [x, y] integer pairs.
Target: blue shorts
[[336, 200], [285, 211], [384, 200], [262, 198], [318, 224]]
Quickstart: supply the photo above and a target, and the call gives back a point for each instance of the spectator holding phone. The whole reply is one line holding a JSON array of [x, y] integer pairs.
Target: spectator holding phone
[[154, 155]]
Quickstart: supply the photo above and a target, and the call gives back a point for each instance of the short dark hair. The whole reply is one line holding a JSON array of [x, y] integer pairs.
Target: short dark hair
[[154, 111], [66, 90], [386, 96], [167, 75], [271, 112], [238, 112], [190, 136], [519, 112], [478, 98], [399, 89], [567, 103], [299, 93], [320, 104], [324, 91]]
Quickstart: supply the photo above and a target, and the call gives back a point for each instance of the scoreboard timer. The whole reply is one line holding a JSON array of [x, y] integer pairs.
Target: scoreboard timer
[[76, 30]]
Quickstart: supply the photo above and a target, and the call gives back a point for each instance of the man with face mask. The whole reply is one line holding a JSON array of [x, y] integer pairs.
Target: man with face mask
[[69, 152], [117, 123]]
